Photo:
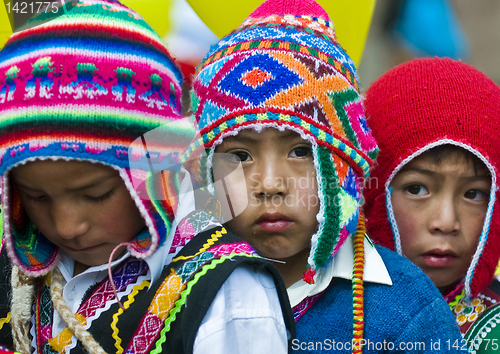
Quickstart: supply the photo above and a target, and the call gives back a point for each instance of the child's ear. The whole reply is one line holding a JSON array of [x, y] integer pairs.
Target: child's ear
[[18, 213]]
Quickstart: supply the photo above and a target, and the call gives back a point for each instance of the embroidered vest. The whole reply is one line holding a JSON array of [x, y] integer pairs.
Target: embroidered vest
[[164, 316], [479, 320]]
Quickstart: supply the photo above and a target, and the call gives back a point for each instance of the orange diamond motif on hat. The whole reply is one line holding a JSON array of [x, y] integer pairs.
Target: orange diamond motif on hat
[[255, 77]]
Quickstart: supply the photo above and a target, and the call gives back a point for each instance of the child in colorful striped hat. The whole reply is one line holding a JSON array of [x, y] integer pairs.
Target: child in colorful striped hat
[[279, 98], [437, 122], [79, 94]]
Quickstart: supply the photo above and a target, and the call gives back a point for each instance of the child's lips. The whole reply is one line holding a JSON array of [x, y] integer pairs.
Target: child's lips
[[83, 249], [439, 258], [274, 225], [273, 222]]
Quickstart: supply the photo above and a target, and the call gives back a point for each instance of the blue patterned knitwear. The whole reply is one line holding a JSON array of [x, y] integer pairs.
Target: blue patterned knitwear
[[400, 314]]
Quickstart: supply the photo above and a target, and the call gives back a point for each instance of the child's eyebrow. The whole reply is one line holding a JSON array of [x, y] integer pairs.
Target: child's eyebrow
[[422, 171], [484, 177], [26, 187], [242, 138], [77, 189], [91, 184], [434, 174]]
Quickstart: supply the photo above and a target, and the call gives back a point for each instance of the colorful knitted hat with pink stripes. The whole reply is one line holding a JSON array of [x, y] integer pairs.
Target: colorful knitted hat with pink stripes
[[283, 68], [85, 85]]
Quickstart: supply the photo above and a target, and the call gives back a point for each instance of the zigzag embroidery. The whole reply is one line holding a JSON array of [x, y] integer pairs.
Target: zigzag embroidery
[[4, 320], [131, 299], [181, 300], [218, 234]]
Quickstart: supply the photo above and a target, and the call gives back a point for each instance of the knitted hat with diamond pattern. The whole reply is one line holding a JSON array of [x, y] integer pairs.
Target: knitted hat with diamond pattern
[[284, 68], [84, 85]]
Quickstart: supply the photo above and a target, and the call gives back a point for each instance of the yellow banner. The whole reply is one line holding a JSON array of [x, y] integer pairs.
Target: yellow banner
[[6, 24], [351, 18]]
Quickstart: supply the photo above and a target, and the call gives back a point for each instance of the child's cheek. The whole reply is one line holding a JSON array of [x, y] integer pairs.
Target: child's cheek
[[232, 192], [409, 224]]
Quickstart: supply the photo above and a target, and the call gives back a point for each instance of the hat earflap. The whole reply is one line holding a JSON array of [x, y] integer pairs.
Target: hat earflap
[[339, 195], [329, 216]]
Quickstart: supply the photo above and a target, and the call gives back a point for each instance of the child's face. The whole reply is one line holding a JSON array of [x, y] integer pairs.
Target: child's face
[[440, 210], [280, 183], [83, 208]]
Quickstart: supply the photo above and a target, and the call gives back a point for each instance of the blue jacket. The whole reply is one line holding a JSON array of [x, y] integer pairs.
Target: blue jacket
[[408, 317]]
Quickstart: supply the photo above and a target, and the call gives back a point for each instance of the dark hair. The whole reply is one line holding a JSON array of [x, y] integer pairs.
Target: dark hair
[[440, 152]]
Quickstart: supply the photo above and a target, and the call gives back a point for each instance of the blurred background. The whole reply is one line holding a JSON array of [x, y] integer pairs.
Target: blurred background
[[479, 42], [399, 30]]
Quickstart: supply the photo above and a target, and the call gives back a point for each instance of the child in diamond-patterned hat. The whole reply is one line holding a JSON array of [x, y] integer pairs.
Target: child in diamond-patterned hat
[[279, 98], [93, 259]]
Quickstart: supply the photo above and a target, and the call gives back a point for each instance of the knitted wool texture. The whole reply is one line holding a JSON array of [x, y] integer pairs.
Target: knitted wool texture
[[283, 68], [399, 314], [84, 85], [426, 103]]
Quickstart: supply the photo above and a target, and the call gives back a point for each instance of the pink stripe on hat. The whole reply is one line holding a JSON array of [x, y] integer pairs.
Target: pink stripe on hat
[[290, 7]]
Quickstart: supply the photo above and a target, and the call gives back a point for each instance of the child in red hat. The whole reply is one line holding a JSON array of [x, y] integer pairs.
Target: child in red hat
[[432, 196]]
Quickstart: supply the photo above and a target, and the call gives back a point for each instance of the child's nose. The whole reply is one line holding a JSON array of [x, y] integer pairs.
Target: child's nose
[[68, 221], [444, 217], [273, 179]]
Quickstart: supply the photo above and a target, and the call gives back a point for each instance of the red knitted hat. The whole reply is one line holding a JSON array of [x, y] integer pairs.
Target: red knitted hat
[[422, 104]]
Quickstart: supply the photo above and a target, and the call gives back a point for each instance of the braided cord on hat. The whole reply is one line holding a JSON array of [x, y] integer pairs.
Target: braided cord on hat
[[23, 290], [357, 285]]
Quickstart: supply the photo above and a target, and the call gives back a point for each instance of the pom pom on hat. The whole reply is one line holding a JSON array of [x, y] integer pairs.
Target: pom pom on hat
[[290, 7]]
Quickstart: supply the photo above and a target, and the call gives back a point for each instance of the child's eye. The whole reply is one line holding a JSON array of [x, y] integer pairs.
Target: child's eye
[[101, 198], [476, 194], [301, 151], [416, 189], [238, 156], [35, 199]]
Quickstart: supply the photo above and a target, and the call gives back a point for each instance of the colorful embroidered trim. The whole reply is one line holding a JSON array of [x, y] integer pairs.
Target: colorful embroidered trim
[[172, 294], [295, 20], [126, 274], [218, 234], [323, 135], [126, 305], [283, 46], [182, 300], [456, 299], [309, 24], [4, 320], [484, 330], [468, 311], [357, 286], [301, 308]]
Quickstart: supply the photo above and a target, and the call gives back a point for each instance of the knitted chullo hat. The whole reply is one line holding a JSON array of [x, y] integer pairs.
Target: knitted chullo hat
[[284, 68], [420, 105], [84, 85]]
